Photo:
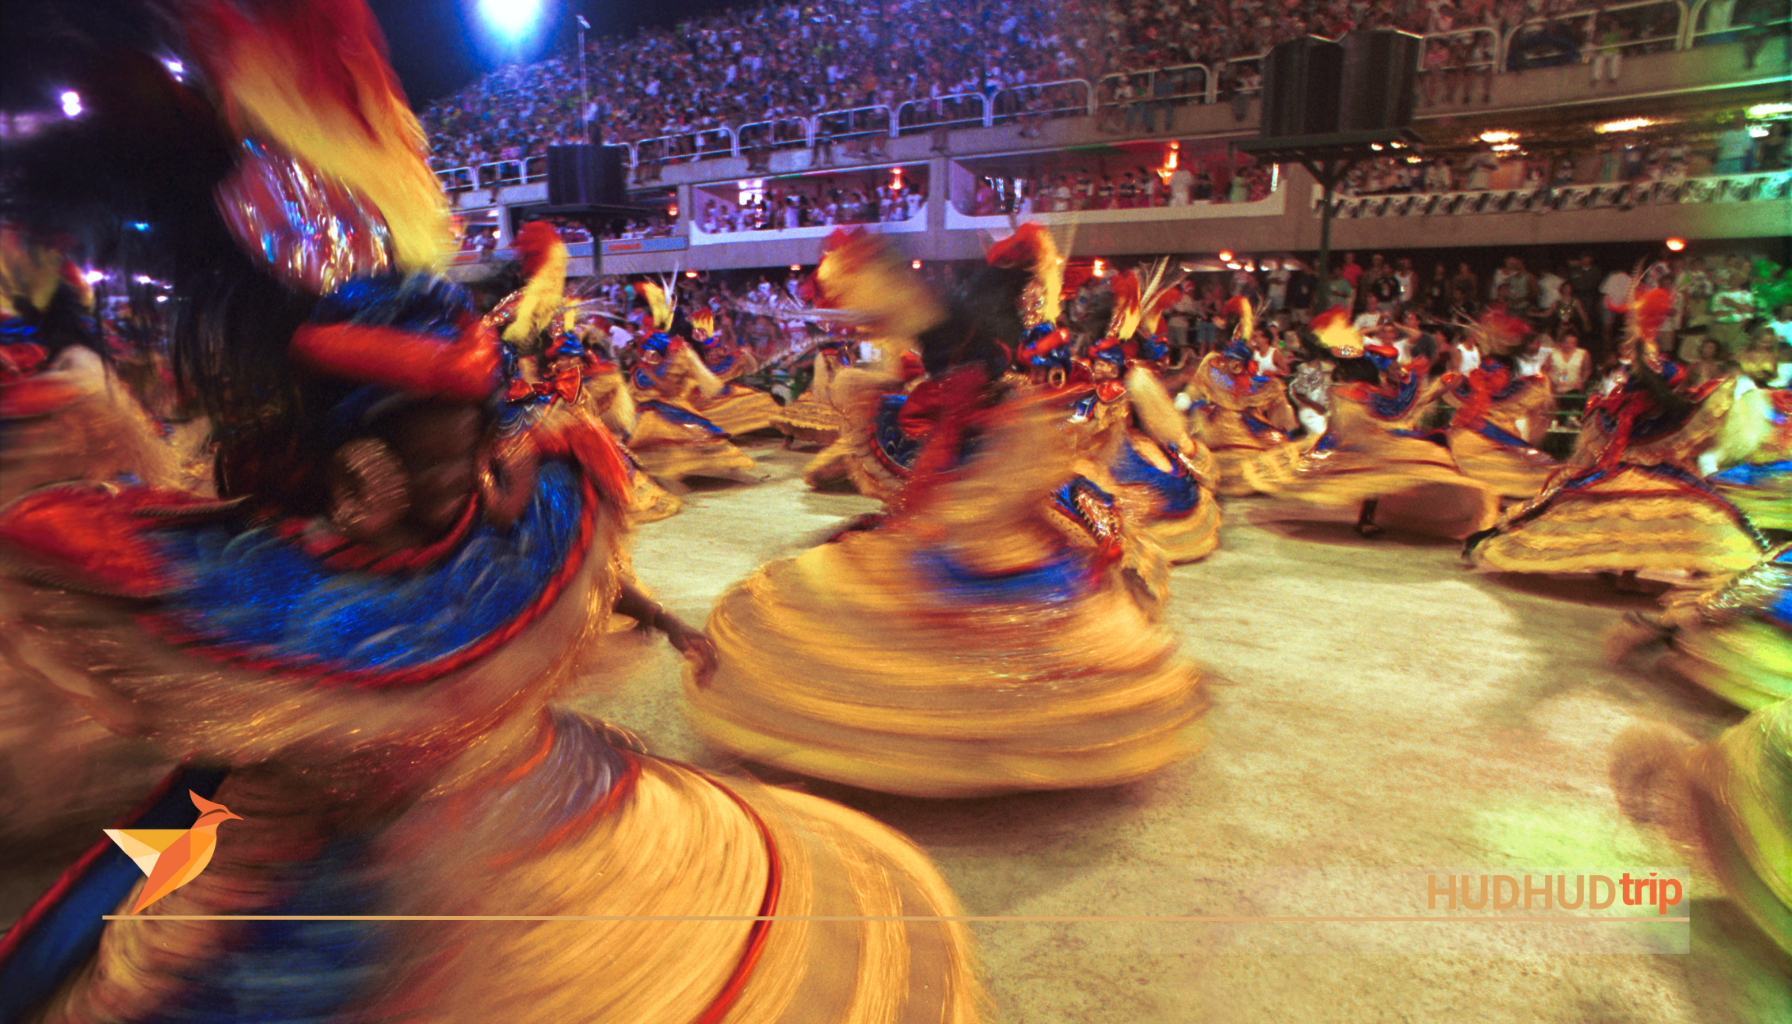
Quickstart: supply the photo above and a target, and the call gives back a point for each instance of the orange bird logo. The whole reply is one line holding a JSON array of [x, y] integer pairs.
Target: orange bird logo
[[172, 857]]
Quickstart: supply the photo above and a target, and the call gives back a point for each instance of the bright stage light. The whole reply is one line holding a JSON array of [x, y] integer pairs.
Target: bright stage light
[[916, 264], [71, 103], [1629, 124], [511, 21], [1676, 244], [692, 274], [1498, 136], [1769, 109]]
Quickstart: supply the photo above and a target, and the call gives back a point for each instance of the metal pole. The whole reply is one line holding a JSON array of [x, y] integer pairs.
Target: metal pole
[[1321, 295], [584, 82]]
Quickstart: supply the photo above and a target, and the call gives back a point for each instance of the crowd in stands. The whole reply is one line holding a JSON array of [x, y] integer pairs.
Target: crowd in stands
[[1665, 160], [770, 63], [813, 202]]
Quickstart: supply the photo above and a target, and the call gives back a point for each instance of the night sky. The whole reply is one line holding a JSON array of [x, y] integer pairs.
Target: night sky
[[436, 47]]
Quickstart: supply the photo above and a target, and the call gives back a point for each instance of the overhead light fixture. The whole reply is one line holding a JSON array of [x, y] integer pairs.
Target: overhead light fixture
[[1505, 147], [1498, 135], [1376, 146], [1629, 124], [1676, 244], [71, 103], [691, 274], [1757, 131], [1100, 268], [1769, 109], [1225, 255], [796, 266], [94, 276], [916, 264]]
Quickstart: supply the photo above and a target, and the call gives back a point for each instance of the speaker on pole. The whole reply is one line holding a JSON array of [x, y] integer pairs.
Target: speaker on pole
[[1301, 78], [586, 175], [1376, 88]]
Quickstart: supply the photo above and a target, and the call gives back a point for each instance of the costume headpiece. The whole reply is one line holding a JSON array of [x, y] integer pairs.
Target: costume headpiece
[[535, 306], [703, 325], [1333, 329], [657, 307], [858, 275], [1031, 249], [1498, 333], [1648, 311], [1244, 322]]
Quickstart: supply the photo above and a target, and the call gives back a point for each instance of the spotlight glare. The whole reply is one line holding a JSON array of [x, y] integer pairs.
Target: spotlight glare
[[1498, 136], [691, 274], [1225, 255], [94, 276], [1769, 109], [1628, 124], [71, 103], [175, 68], [1676, 244], [916, 264], [796, 266], [510, 21]]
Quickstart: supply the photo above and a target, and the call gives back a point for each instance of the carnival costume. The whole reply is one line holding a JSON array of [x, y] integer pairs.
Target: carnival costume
[[969, 643], [1501, 414], [1634, 495], [1761, 485], [542, 328], [671, 438], [734, 407], [355, 649], [1373, 454], [816, 417], [1143, 454], [64, 416], [1236, 415]]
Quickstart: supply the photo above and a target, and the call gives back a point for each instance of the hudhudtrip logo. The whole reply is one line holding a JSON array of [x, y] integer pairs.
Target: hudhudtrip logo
[[1551, 892]]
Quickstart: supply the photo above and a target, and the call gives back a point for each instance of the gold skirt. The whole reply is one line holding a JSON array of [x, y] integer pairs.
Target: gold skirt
[[848, 663], [1416, 480], [1629, 521], [1767, 503], [1516, 473], [1742, 791], [1727, 640], [1184, 538], [810, 421], [739, 410], [668, 450]]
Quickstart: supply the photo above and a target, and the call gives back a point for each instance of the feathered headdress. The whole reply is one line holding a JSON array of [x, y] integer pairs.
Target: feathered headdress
[[858, 275], [29, 275], [530, 309], [1648, 311], [703, 325], [1498, 333], [1031, 249], [312, 79], [657, 306], [1333, 329], [1160, 293], [1124, 320]]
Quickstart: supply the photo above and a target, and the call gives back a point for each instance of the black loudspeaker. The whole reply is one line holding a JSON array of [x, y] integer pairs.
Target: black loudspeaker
[[1301, 78], [585, 175], [1377, 84]]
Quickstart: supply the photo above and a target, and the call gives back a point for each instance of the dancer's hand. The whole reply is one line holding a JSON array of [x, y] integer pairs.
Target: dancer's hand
[[697, 648]]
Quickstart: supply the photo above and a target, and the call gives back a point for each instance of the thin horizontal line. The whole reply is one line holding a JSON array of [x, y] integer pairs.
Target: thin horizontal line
[[1084, 919]]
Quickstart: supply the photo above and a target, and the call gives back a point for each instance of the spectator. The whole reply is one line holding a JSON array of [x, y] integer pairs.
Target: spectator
[[1568, 365]]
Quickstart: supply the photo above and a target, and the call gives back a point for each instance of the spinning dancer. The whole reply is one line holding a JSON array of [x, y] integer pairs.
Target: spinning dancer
[[671, 439], [1238, 416], [736, 408], [1373, 456], [1634, 496], [1162, 476], [355, 649], [1500, 413], [976, 640]]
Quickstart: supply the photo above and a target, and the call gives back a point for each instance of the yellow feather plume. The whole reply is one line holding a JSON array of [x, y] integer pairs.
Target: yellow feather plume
[[703, 324], [312, 78], [541, 297], [29, 274], [656, 304], [857, 273]]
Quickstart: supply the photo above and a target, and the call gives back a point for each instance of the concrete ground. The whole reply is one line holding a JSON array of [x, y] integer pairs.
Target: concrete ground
[[1377, 710]]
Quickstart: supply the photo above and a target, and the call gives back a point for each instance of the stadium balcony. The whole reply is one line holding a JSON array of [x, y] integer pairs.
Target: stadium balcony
[[944, 149]]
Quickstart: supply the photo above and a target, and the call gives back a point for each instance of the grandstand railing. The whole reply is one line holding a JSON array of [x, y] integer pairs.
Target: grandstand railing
[[1590, 25], [1693, 34], [1256, 63], [1013, 101], [692, 145], [1720, 188], [1145, 84], [778, 133], [954, 110], [850, 123], [1491, 61]]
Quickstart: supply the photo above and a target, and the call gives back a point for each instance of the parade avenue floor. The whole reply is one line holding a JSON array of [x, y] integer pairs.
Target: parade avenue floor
[[1376, 710]]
